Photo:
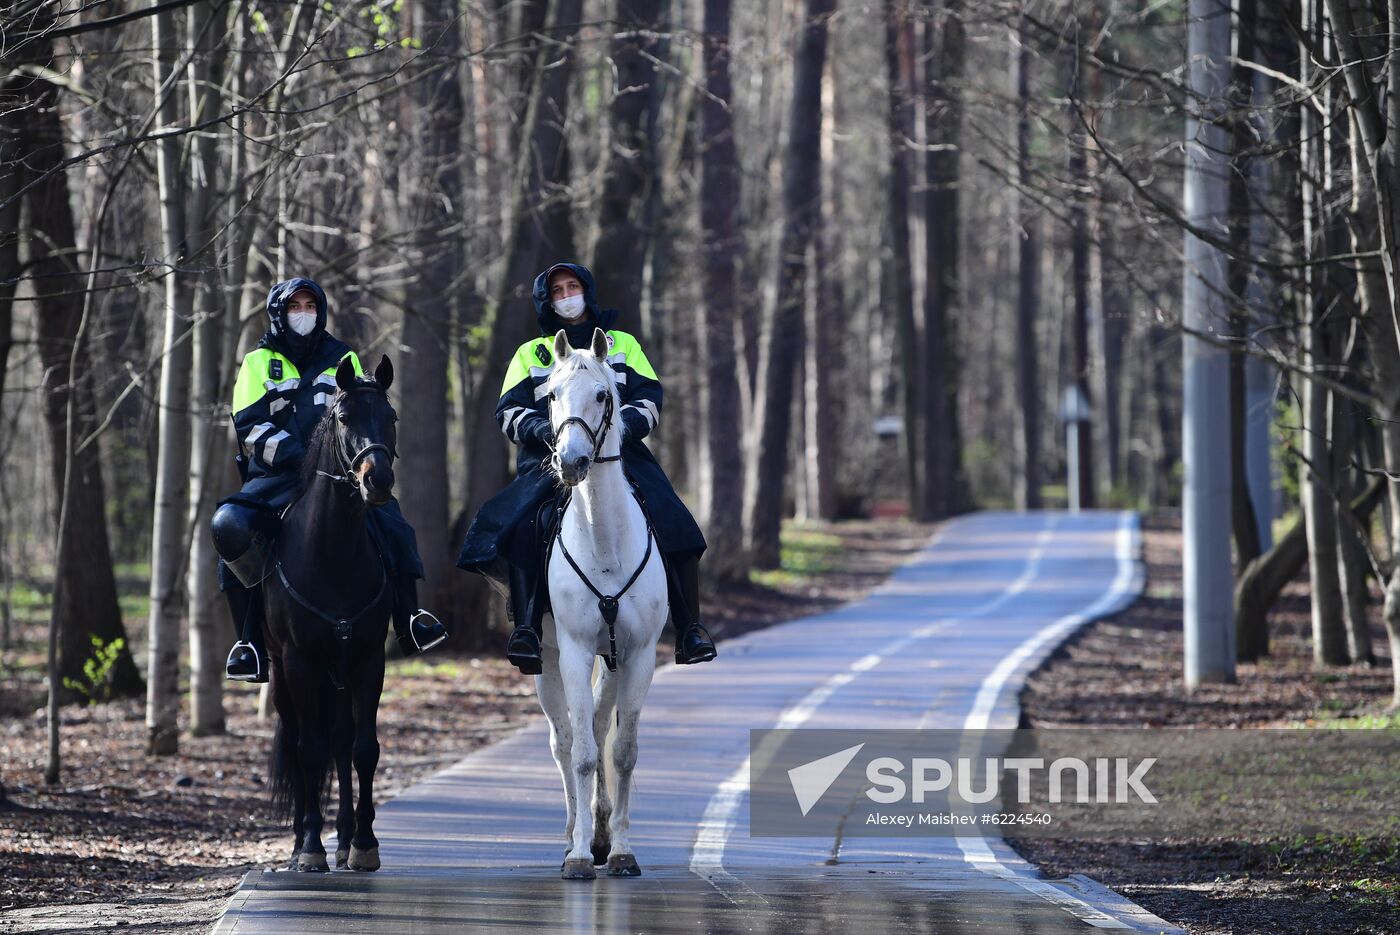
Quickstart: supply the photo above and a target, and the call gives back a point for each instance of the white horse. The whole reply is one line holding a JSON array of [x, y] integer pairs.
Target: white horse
[[604, 549]]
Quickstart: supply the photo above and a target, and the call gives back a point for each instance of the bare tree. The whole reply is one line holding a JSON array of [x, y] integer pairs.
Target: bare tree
[[1210, 649], [167, 547], [782, 332], [206, 610], [720, 188], [431, 184], [1028, 225], [626, 231]]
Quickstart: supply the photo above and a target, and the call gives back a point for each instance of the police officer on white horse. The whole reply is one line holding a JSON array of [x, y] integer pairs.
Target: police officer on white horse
[[283, 388], [507, 535]]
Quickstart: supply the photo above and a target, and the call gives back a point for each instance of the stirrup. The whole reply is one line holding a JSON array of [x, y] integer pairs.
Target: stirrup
[[527, 663], [257, 675], [413, 635], [704, 655]]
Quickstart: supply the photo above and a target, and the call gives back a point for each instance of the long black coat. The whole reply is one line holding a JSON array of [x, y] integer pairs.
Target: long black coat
[[505, 528]]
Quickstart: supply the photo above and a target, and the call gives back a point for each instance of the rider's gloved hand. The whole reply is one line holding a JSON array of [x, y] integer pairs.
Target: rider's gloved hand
[[543, 433]]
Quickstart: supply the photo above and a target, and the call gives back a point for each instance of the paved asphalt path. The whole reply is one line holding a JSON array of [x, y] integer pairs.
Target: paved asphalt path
[[946, 642]]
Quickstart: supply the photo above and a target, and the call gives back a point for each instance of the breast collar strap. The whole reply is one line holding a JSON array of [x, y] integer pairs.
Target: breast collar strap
[[607, 604], [343, 625]]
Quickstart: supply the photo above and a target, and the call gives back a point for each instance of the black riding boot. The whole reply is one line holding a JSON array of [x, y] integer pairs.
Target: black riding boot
[[523, 648], [417, 630], [247, 661], [693, 644]]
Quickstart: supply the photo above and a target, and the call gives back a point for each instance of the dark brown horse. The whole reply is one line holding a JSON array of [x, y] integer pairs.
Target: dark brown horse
[[328, 602]]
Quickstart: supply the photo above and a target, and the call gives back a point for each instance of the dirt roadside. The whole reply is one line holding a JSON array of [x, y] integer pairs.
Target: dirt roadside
[[1125, 671], [128, 840]]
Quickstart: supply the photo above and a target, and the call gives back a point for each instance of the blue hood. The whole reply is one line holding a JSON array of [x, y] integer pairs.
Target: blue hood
[[595, 316], [280, 337]]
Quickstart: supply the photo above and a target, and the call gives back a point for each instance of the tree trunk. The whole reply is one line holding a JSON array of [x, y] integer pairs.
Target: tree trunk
[[899, 62], [172, 465], [1209, 624], [942, 486], [208, 632], [720, 189], [1244, 526], [1079, 279], [782, 334], [1027, 230], [1352, 562], [625, 237], [1265, 578], [85, 591], [825, 306], [432, 187]]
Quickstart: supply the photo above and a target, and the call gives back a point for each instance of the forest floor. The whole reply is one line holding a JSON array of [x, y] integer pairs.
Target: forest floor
[[129, 840], [1125, 671]]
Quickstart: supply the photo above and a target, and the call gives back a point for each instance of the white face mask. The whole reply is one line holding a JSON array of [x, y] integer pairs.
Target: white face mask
[[302, 323], [569, 309]]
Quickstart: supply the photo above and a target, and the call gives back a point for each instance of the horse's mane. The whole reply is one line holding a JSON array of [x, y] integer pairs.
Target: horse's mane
[[323, 434], [584, 360]]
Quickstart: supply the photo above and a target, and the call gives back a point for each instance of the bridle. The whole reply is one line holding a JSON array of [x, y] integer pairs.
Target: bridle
[[348, 464], [598, 437]]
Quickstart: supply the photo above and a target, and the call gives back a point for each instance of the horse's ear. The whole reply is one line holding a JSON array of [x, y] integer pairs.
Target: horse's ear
[[384, 373], [561, 346], [345, 375], [600, 344]]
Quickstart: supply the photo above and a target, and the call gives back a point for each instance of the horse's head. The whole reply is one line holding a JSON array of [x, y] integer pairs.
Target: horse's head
[[582, 406], [365, 434]]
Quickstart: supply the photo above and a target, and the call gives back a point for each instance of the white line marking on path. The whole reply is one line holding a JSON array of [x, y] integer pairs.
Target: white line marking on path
[[975, 850], [707, 854]]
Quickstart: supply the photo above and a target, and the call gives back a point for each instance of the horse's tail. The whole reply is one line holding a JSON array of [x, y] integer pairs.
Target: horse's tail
[[284, 763]]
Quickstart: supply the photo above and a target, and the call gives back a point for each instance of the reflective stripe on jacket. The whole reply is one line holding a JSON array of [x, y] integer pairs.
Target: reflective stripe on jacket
[[275, 408], [523, 406]]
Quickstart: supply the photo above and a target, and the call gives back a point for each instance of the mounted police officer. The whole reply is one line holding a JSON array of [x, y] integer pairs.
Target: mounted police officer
[[507, 538], [283, 388]]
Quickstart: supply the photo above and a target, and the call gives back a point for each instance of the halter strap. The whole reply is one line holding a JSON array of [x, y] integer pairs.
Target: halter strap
[[347, 469], [597, 438]]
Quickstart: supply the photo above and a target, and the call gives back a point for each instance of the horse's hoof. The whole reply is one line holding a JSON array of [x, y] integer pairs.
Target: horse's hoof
[[312, 863], [578, 868], [364, 860], [342, 858], [623, 865], [601, 852]]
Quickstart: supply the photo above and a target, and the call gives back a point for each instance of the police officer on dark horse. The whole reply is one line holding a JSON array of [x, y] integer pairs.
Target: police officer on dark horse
[[508, 537], [281, 394]]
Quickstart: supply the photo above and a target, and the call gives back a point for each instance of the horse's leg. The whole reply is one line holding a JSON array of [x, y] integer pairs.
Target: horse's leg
[[312, 748], [364, 849], [549, 687], [576, 670], [634, 679], [345, 813], [604, 703]]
